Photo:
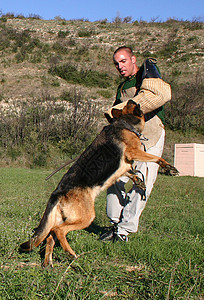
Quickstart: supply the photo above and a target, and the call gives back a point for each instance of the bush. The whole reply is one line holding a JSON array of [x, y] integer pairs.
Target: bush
[[185, 111], [21, 43], [170, 47], [195, 25], [63, 34], [89, 78], [31, 129], [6, 35], [59, 48], [105, 93], [86, 33]]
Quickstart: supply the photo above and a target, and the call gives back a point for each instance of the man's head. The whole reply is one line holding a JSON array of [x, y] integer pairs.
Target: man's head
[[125, 61]]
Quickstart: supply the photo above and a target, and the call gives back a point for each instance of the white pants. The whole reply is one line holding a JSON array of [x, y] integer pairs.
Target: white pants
[[125, 208]]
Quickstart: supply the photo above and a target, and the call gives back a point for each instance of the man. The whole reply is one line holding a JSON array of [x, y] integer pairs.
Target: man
[[145, 86]]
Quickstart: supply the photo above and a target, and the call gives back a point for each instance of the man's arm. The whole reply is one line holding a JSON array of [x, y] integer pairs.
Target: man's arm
[[154, 92]]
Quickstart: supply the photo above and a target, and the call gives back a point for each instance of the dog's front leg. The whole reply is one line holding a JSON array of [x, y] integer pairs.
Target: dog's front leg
[[139, 155], [171, 170], [136, 179]]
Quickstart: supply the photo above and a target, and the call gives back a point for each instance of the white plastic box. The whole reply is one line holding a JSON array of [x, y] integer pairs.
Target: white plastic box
[[189, 159]]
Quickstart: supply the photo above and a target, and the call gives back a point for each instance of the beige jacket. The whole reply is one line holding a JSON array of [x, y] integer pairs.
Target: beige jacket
[[154, 92]]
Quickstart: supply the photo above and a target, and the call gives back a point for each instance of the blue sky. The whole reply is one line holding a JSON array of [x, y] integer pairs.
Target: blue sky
[[94, 10]]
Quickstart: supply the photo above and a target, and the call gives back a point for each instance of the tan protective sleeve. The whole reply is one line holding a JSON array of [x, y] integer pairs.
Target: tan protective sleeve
[[154, 92]]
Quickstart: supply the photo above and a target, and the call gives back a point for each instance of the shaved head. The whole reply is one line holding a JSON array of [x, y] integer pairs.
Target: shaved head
[[127, 49], [125, 61]]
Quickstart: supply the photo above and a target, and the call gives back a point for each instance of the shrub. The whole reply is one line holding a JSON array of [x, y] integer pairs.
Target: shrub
[[88, 78], [21, 38], [20, 56], [127, 19], [6, 35], [66, 96], [105, 93], [118, 20], [63, 34], [22, 44], [195, 25], [86, 33], [55, 83], [36, 57], [71, 42], [170, 47], [34, 16], [104, 21], [30, 129], [59, 48], [185, 111]]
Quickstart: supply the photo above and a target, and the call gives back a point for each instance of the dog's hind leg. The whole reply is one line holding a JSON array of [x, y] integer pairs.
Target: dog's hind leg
[[49, 249], [62, 230], [61, 233]]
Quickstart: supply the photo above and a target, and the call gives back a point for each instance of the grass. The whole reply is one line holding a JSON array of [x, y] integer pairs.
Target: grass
[[164, 260]]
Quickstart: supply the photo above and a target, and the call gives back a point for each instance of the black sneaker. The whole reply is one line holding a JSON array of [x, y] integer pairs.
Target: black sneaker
[[120, 237], [110, 234]]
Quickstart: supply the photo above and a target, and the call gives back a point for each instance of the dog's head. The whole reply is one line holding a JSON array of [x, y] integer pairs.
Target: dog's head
[[132, 113], [131, 108]]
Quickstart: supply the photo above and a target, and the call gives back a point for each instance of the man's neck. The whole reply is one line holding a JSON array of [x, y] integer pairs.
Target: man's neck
[[136, 69]]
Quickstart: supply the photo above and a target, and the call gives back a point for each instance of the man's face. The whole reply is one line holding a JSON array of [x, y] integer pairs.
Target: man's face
[[124, 63]]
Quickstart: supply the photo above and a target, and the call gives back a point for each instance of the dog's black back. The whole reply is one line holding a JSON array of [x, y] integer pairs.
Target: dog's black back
[[97, 163]]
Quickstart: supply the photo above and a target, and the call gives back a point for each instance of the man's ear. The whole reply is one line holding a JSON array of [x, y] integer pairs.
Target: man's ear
[[134, 59], [116, 113]]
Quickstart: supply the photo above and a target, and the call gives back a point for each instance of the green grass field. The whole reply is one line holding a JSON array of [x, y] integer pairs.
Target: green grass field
[[164, 260]]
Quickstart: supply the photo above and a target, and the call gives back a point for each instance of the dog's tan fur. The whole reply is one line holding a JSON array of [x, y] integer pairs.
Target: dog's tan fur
[[72, 208]]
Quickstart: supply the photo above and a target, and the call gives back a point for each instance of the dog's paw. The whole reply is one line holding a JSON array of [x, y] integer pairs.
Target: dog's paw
[[139, 183], [171, 170]]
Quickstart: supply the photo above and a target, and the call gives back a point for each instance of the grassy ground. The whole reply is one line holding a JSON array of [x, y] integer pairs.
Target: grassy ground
[[164, 260]]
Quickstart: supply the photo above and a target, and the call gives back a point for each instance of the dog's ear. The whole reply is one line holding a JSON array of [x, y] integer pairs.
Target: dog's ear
[[116, 113], [137, 110], [131, 102]]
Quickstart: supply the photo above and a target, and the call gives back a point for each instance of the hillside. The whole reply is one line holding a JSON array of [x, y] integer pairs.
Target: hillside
[[42, 59], [30, 46]]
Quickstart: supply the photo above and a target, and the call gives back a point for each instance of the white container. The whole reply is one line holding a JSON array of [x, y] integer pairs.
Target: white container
[[189, 159]]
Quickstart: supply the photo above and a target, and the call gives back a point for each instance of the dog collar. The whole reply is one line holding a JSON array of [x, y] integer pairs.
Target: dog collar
[[131, 128]]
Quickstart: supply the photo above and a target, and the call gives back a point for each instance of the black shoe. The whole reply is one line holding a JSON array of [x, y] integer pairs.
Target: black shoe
[[110, 234], [120, 237]]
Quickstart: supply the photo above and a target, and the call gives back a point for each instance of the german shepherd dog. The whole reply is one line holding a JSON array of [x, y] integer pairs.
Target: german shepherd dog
[[111, 154]]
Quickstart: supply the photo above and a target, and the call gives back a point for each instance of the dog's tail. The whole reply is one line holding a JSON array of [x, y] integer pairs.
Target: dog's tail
[[41, 232]]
